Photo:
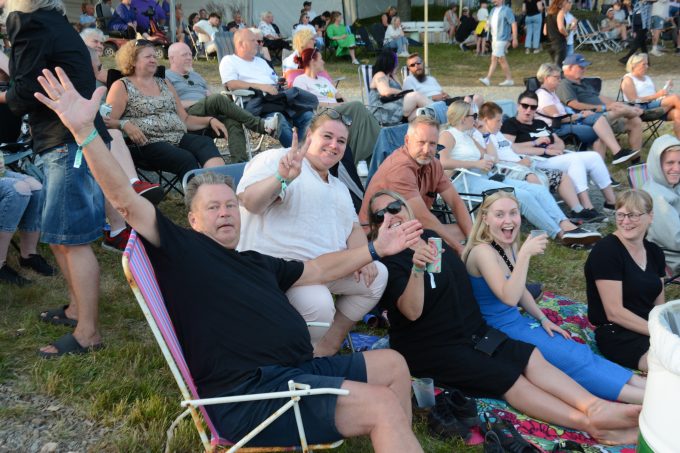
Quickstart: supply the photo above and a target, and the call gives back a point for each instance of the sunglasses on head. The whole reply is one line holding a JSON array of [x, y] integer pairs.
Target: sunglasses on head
[[143, 43], [529, 106], [415, 63], [393, 208], [190, 82], [488, 193], [335, 115]]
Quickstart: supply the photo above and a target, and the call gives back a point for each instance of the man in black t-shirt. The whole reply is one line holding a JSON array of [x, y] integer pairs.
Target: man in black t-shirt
[[238, 332]]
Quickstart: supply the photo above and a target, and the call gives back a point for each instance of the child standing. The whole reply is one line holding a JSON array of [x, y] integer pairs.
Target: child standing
[[502, 27], [480, 31]]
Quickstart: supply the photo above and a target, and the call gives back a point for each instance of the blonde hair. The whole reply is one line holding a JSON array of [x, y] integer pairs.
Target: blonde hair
[[634, 200], [29, 6], [546, 70], [480, 229], [374, 227], [300, 38], [127, 56], [635, 60], [457, 112]]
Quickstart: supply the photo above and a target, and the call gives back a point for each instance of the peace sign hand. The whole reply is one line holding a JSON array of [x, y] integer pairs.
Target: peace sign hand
[[290, 164]]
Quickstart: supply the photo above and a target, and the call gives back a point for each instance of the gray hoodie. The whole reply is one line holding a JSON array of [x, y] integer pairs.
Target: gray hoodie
[[665, 228]]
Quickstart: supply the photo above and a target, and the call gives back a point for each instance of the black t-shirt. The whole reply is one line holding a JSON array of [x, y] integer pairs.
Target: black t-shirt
[[450, 313], [609, 260], [228, 308], [531, 7], [318, 21], [526, 132], [467, 26]]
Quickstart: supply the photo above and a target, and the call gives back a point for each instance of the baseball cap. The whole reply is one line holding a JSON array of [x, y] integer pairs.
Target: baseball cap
[[577, 59]]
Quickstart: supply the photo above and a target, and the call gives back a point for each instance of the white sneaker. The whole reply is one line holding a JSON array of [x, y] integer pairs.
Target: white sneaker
[[272, 125], [355, 61], [537, 50], [404, 54], [656, 52], [485, 81], [527, 51], [506, 83]]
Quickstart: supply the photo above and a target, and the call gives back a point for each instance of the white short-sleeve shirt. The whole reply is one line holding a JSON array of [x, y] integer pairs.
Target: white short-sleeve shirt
[[313, 217], [430, 87], [233, 67]]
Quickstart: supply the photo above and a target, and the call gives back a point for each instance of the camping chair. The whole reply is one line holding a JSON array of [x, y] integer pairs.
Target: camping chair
[[239, 96], [611, 43], [653, 119], [586, 36], [233, 170], [198, 47], [378, 34], [472, 201], [365, 75], [370, 45], [637, 176], [167, 180], [224, 41], [140, 275]]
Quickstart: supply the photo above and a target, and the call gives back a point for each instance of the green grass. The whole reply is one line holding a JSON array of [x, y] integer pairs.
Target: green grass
[[127, 387]]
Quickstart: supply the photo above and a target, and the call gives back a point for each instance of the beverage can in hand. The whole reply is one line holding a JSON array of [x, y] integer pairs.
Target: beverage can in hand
[[105, 110], [436, 265]]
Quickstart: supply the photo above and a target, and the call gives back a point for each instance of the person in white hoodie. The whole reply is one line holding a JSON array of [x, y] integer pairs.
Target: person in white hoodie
[[663, 167]]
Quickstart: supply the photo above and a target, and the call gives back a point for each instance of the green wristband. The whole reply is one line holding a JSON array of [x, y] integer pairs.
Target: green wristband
[[79, 152], [542, 318], [417, 269], [283, 181]]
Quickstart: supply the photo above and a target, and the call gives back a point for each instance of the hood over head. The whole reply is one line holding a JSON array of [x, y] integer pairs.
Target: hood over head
[[660, 145]]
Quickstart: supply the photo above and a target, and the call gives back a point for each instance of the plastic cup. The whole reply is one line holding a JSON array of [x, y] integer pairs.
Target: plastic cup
[[424, 391], [536, 233]]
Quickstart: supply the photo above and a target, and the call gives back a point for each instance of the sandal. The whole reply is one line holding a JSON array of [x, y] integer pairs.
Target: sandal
[[567, 446], [510, 439], [68, 344], [492, 444], [57, 316]]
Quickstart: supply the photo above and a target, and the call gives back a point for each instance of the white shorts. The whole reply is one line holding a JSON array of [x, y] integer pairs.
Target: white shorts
[[498, 48]]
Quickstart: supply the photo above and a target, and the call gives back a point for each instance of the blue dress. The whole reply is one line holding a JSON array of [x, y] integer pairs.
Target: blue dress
[[596, 374]]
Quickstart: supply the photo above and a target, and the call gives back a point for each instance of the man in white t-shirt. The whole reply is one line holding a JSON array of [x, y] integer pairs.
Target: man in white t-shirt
[[245, 70], [206, 29]]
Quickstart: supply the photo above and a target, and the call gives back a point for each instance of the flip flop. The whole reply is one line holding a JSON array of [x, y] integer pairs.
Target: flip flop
[[492, 444], [510, 439], [57, 316], [67, 344]]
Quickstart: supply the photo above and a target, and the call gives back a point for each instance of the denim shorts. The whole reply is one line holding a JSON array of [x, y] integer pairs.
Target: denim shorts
[[19, 209], [73, 212], [657, 22], [233, 421]]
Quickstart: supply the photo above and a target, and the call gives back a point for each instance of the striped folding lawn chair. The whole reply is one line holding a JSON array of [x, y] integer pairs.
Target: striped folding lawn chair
[[637, 175], [142, 280]]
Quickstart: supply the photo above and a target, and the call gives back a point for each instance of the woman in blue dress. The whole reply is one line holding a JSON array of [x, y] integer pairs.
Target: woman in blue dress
[[498, 268]]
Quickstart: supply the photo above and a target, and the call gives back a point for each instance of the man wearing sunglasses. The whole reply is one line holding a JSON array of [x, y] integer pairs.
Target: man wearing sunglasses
[[416, 174], [196, 98]]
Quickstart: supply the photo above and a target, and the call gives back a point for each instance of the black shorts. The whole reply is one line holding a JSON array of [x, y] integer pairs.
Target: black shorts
[[621, 345], [473, 372], [233, 421]]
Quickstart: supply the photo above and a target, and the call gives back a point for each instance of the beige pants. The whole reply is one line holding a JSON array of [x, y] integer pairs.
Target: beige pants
[[315, 302]]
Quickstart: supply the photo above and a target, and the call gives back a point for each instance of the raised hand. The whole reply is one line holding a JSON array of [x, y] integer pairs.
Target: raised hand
[[393, 240], [290, 164], [76, 112], [534, 245]]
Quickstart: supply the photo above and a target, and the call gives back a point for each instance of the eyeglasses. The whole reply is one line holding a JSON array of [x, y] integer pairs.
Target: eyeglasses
[[426, 111], [488, 193], [143, 43], [528, 106], [190, 82], [260, 41], [393, 208], [335, 115], [473, 115], [415, 63], [633, 217]]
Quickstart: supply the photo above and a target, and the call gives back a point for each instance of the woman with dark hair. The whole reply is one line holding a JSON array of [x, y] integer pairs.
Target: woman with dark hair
[[386, 100], [437, 326], [387, 16], [556, 29], [365, 128]]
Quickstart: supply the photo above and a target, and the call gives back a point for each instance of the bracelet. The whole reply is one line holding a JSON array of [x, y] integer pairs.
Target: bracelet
[[122, 123], [283, 181], [210, 120], [79, 152], [542, 318], [417, 270], [371, 250]]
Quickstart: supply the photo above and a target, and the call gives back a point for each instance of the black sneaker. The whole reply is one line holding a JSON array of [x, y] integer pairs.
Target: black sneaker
[[587, 216], [614, 183], [609, 208], [9, 275], [441, 421], [464, 408], [625, 154], [38, 264], [580, 236]]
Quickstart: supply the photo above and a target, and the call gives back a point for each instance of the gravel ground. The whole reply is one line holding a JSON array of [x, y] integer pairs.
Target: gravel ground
[[40, 424]]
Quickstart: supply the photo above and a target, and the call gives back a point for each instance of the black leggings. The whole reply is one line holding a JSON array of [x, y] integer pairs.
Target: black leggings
[[192, 152]]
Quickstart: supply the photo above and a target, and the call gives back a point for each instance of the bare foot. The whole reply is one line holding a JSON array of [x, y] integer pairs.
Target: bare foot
[[604, 415], [624, 436]]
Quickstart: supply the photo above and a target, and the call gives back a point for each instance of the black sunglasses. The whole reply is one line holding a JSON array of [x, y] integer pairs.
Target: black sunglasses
[[473, 115], [335, 115], [393, 208], [190, 82], [529, 106], [488, 193], [260, 41], [143, 43], [417, 63]]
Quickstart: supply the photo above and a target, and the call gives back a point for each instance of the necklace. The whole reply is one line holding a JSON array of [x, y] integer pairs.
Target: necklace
[[501, 252]]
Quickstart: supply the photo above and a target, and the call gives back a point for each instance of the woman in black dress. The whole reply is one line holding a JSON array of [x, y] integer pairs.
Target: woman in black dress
[[555, 28], [624, 278], [438, 328]]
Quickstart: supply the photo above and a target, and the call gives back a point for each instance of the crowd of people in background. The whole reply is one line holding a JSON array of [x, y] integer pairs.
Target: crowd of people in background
[[263, 235]]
